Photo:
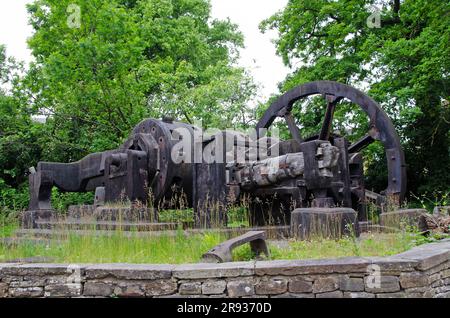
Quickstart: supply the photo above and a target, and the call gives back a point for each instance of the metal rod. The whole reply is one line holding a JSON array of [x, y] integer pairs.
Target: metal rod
[[361, 144]]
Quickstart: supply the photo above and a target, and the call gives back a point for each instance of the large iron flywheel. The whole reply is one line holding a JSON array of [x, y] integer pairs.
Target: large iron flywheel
[[381, 128]]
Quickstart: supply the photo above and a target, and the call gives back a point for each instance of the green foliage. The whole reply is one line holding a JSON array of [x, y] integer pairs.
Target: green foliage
[[405, 63], [430, 200], [61, 201], [12, 199], [127, 61]]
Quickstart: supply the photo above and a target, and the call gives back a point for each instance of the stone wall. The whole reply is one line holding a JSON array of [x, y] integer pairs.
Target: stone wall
[[421, 272]]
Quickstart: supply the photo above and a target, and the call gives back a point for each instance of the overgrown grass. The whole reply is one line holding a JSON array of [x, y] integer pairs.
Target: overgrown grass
[[117, 248], [8, 223], [188, 249], [368, 245]]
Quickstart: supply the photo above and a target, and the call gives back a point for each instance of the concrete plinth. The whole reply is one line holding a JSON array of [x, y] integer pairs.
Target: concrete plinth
[[28, 219], [331, 223], [81, 211], [402, 218], [110, 213]]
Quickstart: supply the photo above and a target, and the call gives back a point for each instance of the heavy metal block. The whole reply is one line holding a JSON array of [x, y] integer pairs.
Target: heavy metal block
[[331, 223]]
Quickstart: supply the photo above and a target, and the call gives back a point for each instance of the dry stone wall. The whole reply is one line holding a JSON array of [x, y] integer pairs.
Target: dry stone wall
[[423, 272]]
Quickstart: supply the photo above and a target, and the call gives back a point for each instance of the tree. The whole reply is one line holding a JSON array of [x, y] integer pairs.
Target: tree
[[102, 66], [19, 148], [405, 63]]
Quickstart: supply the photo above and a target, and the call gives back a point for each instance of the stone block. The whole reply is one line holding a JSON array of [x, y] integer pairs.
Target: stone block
[[160, 287], [194, 288], [214, 287], [414, 279], [34, 270], [443, 295], [311, 267], [80, 211], [3, 290], [402, 218], [145, 288], [202, 271], [438, 283], [427, 256], [63, 290], [391, 265], [358, 295], [437, 269], [99, 289], [30, 292], [443, 289], [445, 273], [300, 285], [28, 219], [392, 295], [271, 286], [240, 288], [218, 296], [129, 290], [30, 282], [325, 284], [351, 284], [333, 294], [382, 284], [293, 295], [122, 214], [129, 271], [419, 292]]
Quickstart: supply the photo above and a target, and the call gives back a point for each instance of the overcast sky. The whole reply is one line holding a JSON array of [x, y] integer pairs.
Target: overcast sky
[[258, 56]]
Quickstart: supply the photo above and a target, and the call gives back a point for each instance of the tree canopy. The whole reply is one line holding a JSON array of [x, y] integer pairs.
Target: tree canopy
[[405, 63], [128, 60], [102, 66]]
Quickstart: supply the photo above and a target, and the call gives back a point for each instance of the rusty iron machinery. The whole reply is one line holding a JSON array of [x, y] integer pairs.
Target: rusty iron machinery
[[321, 171]]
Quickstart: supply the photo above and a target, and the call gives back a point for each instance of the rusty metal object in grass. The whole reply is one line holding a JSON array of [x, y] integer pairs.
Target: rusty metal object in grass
[[222, 253]]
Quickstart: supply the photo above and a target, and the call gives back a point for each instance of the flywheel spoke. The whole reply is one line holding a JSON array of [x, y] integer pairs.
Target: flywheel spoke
[[293, 128], [361, 144], [328, 120]]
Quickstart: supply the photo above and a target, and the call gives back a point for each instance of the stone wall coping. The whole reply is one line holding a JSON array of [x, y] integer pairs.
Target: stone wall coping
[[418, 258], [204, 270], [429, 255]]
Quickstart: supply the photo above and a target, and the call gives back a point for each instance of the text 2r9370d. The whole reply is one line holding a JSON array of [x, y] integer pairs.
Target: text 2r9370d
[[246, 307]]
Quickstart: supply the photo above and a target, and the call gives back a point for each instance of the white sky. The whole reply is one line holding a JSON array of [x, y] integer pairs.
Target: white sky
[[258, 56]]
